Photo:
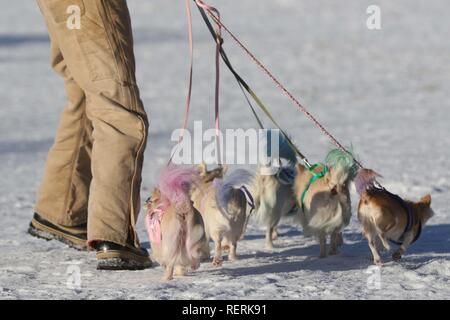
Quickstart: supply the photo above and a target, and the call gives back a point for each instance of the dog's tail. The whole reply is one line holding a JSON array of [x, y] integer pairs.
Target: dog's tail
[[197, 247], [238, 180], [285, 148], [365, 180], [175, 183]]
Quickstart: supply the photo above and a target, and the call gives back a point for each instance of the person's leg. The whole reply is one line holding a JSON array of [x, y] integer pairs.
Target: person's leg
[[63, 195], [100, 57]]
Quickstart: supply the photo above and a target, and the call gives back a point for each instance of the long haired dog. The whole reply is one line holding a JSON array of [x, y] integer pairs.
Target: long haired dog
[[174, 226], [324, 198], [387, 217], [274, 197], [222, 203]]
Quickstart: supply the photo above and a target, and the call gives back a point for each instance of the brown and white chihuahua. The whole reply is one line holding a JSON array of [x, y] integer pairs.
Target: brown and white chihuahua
[[387, 217]]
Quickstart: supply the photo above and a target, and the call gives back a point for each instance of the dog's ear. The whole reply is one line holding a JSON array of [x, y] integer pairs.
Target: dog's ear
[[156, 195], [202, 169], [154, 198], [426, 200]]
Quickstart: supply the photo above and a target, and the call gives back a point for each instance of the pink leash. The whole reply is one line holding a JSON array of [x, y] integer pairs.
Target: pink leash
[[191, 71], [215, 12]]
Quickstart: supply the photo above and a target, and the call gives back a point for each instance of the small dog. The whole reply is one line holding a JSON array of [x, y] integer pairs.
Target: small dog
[[274, 197], [176, 231], [388, 217], [324, 199], [222, 203]]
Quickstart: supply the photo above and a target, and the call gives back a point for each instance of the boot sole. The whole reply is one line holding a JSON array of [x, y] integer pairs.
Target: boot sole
[[122, 260], [42, 231]]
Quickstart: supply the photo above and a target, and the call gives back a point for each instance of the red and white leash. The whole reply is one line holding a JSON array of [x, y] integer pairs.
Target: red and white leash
[[220, 25]]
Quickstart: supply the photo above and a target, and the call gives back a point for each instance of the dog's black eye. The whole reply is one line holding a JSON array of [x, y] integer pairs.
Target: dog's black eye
[[149, 200]]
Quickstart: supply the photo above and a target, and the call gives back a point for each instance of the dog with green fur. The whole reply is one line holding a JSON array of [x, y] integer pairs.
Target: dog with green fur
[[323, 196]]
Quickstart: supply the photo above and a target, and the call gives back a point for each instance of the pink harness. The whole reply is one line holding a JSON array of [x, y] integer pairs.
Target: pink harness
[[153, 223]]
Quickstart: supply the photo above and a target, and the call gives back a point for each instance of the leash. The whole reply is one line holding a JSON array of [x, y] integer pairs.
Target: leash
[[251, 203], [315, 176], [191, 71], [246, 88], [213, 12], [279, 85], [218, 39]]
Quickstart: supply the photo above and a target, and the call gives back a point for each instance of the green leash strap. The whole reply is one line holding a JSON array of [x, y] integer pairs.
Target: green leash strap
[[315, 176]]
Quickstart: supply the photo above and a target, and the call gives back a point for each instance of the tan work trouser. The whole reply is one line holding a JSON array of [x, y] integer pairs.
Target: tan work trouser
[[93, 170]]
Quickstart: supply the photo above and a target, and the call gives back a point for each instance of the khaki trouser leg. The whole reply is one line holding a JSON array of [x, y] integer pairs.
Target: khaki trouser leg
[[100, 58], [63, 196]]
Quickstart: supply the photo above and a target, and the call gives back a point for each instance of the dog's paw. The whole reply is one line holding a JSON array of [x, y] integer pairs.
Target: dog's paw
[[217, 262], [378, 262], [195, 266], [167, 277], [396, 256], [180, 271], [333, 252], [232, 257], [274, 235]]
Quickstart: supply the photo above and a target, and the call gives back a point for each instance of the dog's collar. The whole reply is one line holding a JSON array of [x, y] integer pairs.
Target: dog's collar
[[248, 197]]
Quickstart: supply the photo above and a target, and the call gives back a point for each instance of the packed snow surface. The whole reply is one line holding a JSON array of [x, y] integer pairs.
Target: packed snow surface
[[384, 91]]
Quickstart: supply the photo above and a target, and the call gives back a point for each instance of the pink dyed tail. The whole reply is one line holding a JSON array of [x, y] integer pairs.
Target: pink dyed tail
[[365, 179], [175, 183]]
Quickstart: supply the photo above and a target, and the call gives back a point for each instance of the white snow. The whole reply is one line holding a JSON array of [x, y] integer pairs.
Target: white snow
[[384, 91]]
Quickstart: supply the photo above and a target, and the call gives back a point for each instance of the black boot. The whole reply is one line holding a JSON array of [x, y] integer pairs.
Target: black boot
[[112, 256], [74, 237]]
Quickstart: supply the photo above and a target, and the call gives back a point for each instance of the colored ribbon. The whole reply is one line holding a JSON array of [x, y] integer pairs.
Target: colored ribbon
[[315, 176], [153, 224]]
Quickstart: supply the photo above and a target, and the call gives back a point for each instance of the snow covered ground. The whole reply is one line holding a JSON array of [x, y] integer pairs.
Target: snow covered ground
[[385, 91]]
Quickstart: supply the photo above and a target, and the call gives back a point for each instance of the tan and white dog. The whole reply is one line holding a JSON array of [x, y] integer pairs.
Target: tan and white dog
[[274, 200], [324, 199], [176, 230], [387, 217], [222, 203], [272, 185]]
